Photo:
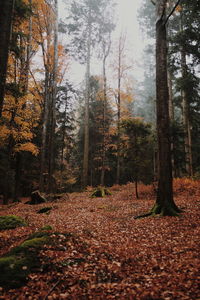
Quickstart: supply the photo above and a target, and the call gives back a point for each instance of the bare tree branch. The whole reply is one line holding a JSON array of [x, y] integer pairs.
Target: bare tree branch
[[172, 11], [153, 2]]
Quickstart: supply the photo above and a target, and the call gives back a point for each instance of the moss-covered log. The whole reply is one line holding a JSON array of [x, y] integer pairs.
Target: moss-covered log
[[11, 222]]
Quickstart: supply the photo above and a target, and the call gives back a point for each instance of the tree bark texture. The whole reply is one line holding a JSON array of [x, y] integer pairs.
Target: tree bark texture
[[6, 13], [104, 122], [164, 203], [51, 162]]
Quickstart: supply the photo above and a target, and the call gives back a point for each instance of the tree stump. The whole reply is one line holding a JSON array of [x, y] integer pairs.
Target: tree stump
[[100, 191], [37, 198]]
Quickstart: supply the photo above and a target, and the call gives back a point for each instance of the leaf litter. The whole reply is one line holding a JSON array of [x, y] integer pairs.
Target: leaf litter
[[99, 251]]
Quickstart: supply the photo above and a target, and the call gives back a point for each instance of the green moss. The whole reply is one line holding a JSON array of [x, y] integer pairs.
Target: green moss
[[11, 222], [20, 261], [42, 233], [15, 269], [33, 243], [47, 228]]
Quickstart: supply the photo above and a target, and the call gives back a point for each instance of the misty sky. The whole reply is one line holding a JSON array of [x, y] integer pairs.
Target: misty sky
[[126, 16]]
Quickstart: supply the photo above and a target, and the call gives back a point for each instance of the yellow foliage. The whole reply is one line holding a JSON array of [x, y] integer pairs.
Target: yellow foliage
[[29, 147]]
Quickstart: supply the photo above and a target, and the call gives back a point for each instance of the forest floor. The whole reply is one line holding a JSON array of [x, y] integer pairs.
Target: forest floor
[[109, 254]]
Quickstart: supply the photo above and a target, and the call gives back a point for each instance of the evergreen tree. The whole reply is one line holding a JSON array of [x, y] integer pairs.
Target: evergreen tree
[[86, 26]]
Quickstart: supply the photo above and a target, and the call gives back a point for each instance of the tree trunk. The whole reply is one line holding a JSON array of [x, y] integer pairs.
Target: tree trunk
[[165, 204], [44, 133], [87, 99], [171, 115], [51, 162], [104, 122], [46, 106], [6, 13], [186, 119], [105, 55], [29, 49], [118, 113], [136, 188]]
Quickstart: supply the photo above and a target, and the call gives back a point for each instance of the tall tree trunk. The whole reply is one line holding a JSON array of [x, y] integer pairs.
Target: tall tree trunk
[[118, 114], [24, 79], [165, 204], [63, 140], [29, 48], [6, 13], [106, 50], [44, 133], [186, 118], [104, 122], [51, 162], [87, 99], [46, 105], [171, 115]]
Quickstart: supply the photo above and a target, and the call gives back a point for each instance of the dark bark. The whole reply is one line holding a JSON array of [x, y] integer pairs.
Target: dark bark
[[165, 204], [136, 188], [6, 12], [51, 162]]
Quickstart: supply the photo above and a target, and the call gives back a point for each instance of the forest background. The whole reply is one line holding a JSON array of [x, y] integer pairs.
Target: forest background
[[56, 136]]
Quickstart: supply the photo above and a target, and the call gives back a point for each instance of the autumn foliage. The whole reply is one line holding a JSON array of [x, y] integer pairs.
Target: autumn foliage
[[99, 251]]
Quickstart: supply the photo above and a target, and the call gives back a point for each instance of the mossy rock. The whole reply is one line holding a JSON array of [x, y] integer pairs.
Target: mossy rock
[[14, 270], [28, 245], [11, 222], [44, 210], [20, 261], [46, 228], [101, 192]]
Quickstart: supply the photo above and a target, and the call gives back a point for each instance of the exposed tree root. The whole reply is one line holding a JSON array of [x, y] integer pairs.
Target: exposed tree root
[[170, 210]]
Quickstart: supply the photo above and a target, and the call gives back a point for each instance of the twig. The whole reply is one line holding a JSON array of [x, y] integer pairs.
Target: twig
[[53, 287]]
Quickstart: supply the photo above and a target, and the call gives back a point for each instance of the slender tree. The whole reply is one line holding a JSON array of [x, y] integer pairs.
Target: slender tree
[[6, 13], [85, 26], [51, 150], [186, 109]]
